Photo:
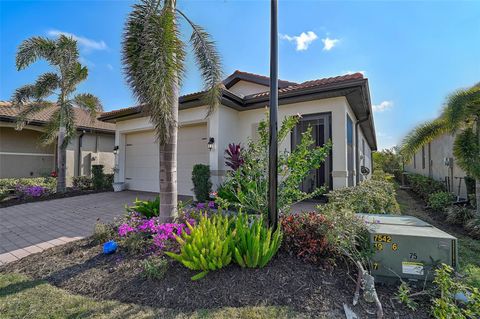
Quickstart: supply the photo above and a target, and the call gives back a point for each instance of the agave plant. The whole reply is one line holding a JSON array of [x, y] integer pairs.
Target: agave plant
[[233, 158], [461, 116]]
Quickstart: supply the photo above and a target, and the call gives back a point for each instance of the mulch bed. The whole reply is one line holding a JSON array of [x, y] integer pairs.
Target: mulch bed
[[69, 193], [79, 267]]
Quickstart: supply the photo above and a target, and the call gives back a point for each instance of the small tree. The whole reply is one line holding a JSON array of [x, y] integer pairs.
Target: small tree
[[460, 116], [248, 185], [62, 55]]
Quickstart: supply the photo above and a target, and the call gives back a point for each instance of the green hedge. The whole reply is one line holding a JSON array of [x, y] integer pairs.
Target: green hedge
[[424, 186], [11, 183], [370, 196]]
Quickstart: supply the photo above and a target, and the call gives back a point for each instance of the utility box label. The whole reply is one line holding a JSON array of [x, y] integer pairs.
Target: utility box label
[[412, 268]]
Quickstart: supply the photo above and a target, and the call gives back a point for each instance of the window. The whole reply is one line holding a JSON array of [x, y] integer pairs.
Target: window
[[423, 157], [350, 150]]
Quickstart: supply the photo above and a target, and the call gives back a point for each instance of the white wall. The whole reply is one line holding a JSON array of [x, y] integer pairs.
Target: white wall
[[440, 149]]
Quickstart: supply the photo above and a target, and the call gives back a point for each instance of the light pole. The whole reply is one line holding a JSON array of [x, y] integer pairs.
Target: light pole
[[273, 144]]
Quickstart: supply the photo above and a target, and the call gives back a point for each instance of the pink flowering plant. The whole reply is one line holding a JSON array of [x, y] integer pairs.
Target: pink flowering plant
[[159, 236]]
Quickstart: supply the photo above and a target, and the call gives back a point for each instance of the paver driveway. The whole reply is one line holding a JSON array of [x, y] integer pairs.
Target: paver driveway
[[33, 227]]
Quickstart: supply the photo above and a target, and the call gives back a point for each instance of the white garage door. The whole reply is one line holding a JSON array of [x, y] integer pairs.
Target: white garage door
[[141, 158]]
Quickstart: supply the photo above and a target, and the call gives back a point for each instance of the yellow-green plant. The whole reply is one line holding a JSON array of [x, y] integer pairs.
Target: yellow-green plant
[[254, 243], [207, 246]]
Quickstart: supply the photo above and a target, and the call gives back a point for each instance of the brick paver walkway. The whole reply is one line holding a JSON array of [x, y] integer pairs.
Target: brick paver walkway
[[33, 227]]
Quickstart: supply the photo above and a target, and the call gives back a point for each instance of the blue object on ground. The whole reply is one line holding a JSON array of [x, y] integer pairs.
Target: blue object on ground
[[110, 247]]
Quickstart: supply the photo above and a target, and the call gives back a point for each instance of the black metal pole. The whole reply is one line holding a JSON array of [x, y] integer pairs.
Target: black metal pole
[[273, 143]]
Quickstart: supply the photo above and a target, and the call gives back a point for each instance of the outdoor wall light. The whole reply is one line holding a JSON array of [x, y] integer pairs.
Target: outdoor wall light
[[211, 142], [115, 150]]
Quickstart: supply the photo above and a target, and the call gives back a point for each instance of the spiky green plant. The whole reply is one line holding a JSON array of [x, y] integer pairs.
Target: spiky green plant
[[154, 60], [460, 116], [208, 247], [62, 55], [254, 243]]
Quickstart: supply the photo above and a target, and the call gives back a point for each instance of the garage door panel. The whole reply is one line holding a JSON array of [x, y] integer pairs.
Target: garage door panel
[[142, 158]]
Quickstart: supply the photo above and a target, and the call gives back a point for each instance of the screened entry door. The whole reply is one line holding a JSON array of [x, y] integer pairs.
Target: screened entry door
[[321, 133]]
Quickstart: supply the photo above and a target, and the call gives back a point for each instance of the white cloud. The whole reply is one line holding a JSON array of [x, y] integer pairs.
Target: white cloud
[[328, 43], [383, 106], [86, 43], [303, 40], [109, 66]]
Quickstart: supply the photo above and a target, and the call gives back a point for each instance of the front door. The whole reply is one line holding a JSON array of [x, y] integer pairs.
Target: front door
[[321, 133]]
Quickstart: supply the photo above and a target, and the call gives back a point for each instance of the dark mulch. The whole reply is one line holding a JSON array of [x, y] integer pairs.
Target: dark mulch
[[69, 193], [80, 268]]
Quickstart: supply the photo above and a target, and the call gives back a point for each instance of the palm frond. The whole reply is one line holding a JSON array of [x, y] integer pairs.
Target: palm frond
[[66, 52], [462, 107], [33, 49], [154, 55], [66, 115], [422, 135], [466, 150], [46, 84], [88, 102], [27, 110], [209, 63], [75, 74], [23, 95]]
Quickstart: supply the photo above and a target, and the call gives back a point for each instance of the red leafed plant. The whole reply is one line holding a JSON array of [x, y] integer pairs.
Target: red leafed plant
[[304, 235], [233, 158]]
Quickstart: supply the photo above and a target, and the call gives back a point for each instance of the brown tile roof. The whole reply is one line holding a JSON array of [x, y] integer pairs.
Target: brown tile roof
[[82, 118], [252, 77], [287, 87], [312, 83]]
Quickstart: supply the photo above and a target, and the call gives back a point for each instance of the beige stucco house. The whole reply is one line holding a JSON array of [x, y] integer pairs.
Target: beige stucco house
[[23, 155], [436, 160], [337, 108]]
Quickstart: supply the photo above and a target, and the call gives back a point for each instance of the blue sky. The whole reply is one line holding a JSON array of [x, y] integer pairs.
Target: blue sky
[[413, 53]]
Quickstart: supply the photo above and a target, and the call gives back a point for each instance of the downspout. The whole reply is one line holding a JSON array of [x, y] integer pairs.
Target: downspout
[[357, 152], [79, 153]]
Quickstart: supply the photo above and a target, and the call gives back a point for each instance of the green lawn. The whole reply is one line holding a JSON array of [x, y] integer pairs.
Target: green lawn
[[21, 297]]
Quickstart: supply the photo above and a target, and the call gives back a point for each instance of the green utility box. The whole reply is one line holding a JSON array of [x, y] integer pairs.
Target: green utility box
[[407, 247]]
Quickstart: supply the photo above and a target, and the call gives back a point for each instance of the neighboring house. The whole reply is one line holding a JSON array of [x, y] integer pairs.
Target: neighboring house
[[436, 160], [337, 108], [23, 155]]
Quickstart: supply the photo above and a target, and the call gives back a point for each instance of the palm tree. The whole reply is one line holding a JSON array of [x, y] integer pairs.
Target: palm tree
[[154, 59], [460, 116], [62, 55]]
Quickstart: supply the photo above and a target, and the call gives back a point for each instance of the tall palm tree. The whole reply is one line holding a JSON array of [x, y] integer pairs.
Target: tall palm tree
[[154, 59], [460, 116], [62, 55]]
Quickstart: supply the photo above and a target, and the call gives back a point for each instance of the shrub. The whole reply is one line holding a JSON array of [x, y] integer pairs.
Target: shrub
[[424, 186], [473, 227], [254, 243], [155, 267], [32, 191], [440, 201], [136, 243], [380, 175], [98, 177], [103, 233], [388, 160], [82, 182], [208, 247], [49, 184], [370, 196], [147, 208], [201, 182], [458, 215], [246, 188], [444, 305]]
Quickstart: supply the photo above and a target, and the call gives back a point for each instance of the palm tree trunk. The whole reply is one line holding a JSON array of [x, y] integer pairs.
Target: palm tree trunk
[[168, 173], [61, 161]]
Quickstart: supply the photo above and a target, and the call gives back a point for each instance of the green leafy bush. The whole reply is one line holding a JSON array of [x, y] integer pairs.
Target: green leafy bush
[[12, 183], [82, 182], [155, 267], [370, 196], [424, 186], [440, 201], [254, 243], [208, 247], [98, 177], [201, 182], [380, 175], [444, 305], [103, 233], [147, 208], [459, 215], [388, 161], [136, 243], [246, 187]]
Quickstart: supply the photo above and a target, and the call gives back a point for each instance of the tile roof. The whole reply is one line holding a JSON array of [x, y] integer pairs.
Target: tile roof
[[82, 118], [288, 87]]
